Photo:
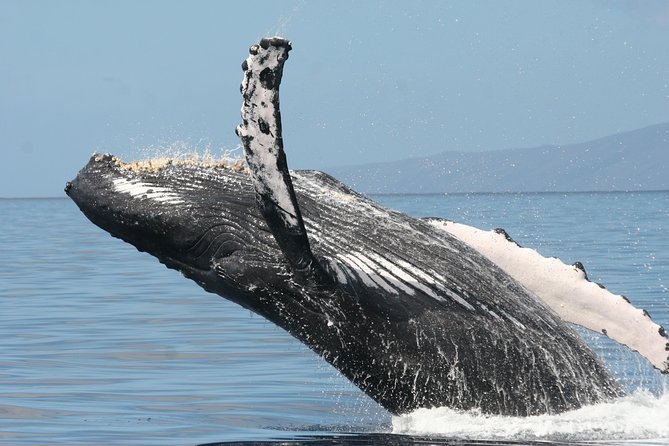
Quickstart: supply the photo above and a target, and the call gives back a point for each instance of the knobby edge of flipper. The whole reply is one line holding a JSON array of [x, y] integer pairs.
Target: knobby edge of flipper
[[567, 290]]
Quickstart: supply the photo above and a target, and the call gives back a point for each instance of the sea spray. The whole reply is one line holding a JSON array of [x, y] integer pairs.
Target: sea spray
[[640, 415], [631, 370], [282, 23], [179, 149]]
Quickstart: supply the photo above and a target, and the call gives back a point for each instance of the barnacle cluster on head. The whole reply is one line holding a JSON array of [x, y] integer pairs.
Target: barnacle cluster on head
[[157, 164]]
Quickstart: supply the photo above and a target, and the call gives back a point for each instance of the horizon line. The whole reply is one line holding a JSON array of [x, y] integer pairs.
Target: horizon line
[[399, 194]]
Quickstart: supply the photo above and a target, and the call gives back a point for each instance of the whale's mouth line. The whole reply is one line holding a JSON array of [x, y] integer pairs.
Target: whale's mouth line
[[188, 270]]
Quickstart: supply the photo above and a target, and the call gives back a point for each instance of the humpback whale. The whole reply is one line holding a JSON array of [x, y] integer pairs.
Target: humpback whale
[[415, 312]]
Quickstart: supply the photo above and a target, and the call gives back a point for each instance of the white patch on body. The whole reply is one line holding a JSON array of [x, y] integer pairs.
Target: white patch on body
[[139, 189], [339, 272], [387, 272], [365, 272]]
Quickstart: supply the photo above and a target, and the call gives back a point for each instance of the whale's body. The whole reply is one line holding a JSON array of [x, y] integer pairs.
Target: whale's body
[[412, 315]]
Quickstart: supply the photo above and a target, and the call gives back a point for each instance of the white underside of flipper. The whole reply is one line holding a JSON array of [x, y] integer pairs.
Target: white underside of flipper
[[566, 289]]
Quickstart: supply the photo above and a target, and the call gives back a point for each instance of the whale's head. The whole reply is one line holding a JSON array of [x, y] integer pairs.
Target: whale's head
[[199, 219]]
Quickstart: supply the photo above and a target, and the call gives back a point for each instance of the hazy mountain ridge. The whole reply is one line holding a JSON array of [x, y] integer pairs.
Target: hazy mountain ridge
[[629, 161]]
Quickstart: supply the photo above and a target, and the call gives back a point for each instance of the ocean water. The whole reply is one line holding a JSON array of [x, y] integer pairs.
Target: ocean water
[[100, 344]]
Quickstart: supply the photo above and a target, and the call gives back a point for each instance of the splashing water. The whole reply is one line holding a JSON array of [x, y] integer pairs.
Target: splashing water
[[202, 151], [643, 414], [284, 20], [640, 415]]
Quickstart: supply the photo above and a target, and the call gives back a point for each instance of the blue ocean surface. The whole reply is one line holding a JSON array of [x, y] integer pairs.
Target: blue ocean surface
[[101, 344]]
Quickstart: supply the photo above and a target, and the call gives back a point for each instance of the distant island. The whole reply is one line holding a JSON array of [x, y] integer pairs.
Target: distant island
[[631, 161]]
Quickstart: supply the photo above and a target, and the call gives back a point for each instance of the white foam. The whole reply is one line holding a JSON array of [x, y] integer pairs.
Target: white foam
[[638, 416]]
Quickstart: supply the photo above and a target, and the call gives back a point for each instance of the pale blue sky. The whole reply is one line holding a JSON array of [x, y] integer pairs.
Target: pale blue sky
[[366, 81]]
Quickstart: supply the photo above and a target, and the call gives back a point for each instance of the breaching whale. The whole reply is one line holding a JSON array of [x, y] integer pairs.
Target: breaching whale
[[412, 311]]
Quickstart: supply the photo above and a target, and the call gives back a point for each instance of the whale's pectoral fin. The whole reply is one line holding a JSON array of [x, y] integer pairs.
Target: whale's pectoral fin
[[260, 132], [567, 291]]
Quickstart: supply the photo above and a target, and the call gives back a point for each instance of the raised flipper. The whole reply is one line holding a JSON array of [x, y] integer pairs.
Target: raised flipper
[[260, 132], [567, 290]]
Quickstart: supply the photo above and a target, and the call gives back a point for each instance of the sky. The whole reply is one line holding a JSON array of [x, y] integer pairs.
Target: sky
[[366, 80]]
